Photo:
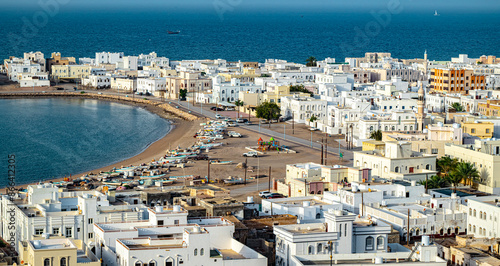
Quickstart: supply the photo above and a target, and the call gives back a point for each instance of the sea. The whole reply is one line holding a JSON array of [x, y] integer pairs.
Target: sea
[[59, 137], [233, 34]]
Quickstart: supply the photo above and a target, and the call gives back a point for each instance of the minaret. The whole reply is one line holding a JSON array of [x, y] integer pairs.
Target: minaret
[[420, 107], [426, 65]]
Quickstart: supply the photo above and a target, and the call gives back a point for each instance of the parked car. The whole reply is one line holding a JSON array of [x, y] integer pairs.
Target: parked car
[[264, 121], [218, 116], [234, 134], [59, 88], [213, 108], [232, 124], [313, 129], [274, 196], [241, 120], [230, 109], [251, 154], [264, 194]]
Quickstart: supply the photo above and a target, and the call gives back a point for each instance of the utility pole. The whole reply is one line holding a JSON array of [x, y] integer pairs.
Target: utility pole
[[330, 246], [293, 124], [245, 168], [326, 149], [321, 151], [284, 131], [269, 178], [408, 229], [208, 176], [270, 118]]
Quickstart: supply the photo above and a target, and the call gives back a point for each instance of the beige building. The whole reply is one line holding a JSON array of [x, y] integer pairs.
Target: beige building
[[483, 130], [248, 75], [70, 72], [124, 84], [57, 252], [485, 155], [57, 59], [192, 81]]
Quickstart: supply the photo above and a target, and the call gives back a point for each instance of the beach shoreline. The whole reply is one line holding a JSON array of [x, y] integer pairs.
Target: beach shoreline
[[180, 132]]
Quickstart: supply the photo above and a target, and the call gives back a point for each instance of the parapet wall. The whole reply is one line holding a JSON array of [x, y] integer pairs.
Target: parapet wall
[[164, 106]]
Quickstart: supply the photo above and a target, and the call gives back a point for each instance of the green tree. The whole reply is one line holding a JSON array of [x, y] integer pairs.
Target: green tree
[[313, 119], [182, 94], [268, 111], [457, 107], [300, 88], [445, 165], [376, 135], [434, 182], [238, 104], [467, 171], [454, 180], [311, 61]]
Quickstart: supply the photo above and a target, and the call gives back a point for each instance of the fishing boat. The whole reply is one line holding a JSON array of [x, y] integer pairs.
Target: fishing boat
[[112, 183], [173, 32], [220, 162], [436, 13], [152, 176]]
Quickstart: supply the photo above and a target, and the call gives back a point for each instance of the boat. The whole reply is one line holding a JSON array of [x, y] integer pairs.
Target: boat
[[173, 32], [234, 181], [152, 176], [220, 162], [436, 13]]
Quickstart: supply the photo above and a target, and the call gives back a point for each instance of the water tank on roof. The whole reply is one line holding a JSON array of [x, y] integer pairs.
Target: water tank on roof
[[306, 203], [453, 195], [425, 131], [158, 208], [425, 240], [355, 188], [37, 244], [177, 208], [249, 199], [456, 125], [440, 124], [413, 183], [379, 260]]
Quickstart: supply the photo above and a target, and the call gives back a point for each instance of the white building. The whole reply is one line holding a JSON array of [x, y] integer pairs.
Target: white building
[[128, 63], [484, 216], [397, 161], [97, 81], [44, 210], [124, 84], [170, 238], [16, 66], [108, 58], [303, 108], [150, 85], [40, 79], [306, 209], [229, 91]]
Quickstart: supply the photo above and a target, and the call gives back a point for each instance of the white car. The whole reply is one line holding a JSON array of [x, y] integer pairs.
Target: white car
[[264, 194], [218, 116], [313, 129]]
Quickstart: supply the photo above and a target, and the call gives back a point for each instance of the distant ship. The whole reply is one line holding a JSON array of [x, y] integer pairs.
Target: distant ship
[[173, 32], [436, 13]]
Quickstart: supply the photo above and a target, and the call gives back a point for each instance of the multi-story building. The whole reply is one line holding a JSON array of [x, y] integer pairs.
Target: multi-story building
[[108, 58], [303, 108], [97, 81], [229, 91], [456, 81], [192, 81], [484, 217], [483, 130], [170, 238], [36, 57], [40, 79], [124, 84], [45, 211], [305, 209], [16, 66], [151, 85], [56, 252], [485, 155], [57, 60], [70, 72], [397, 161]]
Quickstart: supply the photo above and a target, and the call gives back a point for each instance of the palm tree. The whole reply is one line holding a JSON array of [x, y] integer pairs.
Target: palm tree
[[445, 164], [376, 135], [311, 61], [457, 107], [434, 182], [467, 171], [454, 179], [239, 103]]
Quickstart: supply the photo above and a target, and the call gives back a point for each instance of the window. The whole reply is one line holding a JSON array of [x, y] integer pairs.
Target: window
[[196, 252], [320, 247], [434, 151], [473, 130], [380, 242], [152, 263], [64, 262], [169, 262], [91, 220], [369, 243], [487, 130], [38, 231], [176, 221], [69, 232], [55, 230], [91, 235], [202, 252], [160, 222], [46, 262], [310, 250]]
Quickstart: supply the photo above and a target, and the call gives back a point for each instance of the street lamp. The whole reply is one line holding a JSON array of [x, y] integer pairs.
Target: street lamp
[[330, 247]]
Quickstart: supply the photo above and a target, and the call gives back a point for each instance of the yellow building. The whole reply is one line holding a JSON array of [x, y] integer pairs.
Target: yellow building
[[57, 59], [70, 71], [456, 81], [490, 108], [273, 95], [248, 75], [192, 81], [371, 145], [483, 130], [57, 252]]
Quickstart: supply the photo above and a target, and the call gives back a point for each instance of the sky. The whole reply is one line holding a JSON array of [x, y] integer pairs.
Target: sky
[[489, 6]]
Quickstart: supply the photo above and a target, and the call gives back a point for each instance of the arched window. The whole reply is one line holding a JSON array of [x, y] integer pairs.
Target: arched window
[[320, 247], [396, 169], [371, 128], [196, 252], [317, 214], [310, 250], [202, 252], [480, 215], [169, 262], [369, 243], [152, 263], [474, 212], [64, 262], [428, 167], [46, 262], [380, 242], [138, 263]]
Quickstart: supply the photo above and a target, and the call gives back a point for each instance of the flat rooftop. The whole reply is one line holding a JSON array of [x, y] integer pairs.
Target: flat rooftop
[[229, 254], [461, 192], [61, 243]]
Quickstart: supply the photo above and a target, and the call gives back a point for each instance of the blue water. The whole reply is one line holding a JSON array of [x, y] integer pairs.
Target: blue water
[[58, 137], [252, 36]]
